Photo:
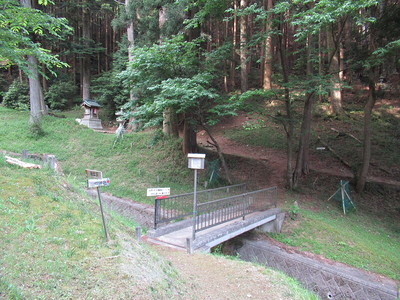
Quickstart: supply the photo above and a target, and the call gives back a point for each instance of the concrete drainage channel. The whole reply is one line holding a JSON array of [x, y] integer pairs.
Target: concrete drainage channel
[[327, 279]]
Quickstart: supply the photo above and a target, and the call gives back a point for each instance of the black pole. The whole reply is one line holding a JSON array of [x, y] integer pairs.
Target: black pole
[[102, 214]]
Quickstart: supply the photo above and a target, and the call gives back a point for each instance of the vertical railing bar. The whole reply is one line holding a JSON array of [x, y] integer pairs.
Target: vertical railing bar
[[205, 213], [167, 210], [203, 218], [212, 215], [228, 213], [209, 215]]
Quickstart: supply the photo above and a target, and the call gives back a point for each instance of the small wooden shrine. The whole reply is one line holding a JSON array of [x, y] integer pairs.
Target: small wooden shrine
[[90, 116]]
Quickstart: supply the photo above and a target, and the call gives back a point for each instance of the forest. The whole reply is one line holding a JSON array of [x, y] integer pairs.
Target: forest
[[181, 66]]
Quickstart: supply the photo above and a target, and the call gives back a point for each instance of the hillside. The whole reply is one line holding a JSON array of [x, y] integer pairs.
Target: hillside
[[53, 248]]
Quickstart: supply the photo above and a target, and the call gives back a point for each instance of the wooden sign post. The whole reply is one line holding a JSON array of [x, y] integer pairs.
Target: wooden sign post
[[95, 179]]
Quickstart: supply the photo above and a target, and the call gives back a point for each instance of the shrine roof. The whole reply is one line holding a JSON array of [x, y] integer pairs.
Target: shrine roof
[[90, 103]]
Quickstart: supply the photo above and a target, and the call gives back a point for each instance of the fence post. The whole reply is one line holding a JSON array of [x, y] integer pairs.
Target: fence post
[[156, 209], [189, 245]]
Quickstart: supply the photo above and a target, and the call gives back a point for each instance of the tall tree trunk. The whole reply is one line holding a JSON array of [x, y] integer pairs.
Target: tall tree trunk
[[320, 62], [36, 99], [288, 123], [302, 162], [170, 120], [189, 143], [341, 63], [244, 84], [131, 42], [267, 83], [336, 93], [162, 18], [232, 73], [86, 64], [362, 175]]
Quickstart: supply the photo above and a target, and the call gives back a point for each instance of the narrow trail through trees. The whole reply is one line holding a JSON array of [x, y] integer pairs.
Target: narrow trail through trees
[[274, 161]]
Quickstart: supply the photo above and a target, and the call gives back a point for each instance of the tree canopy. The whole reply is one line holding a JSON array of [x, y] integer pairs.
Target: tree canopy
[[19, 29]]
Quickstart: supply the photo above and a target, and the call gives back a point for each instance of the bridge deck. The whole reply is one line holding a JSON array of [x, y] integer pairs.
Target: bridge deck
[[176, 234]]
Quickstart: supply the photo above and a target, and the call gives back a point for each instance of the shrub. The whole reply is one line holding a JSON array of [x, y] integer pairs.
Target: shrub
[[17, 96], [60, 94]]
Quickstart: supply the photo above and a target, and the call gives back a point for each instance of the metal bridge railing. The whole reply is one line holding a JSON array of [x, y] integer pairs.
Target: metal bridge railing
[[219, 211], [179, 207]]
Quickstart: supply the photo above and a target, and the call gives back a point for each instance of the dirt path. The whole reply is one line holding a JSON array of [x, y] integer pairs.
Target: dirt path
[[212, 277], [270, 164]]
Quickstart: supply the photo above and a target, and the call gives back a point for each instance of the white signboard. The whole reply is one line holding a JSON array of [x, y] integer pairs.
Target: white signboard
[[158, 192], [196, 161], [98, 182], [93, 174]]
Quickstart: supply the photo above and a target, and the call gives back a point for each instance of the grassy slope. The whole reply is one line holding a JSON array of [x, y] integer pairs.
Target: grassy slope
[[52, 245], [133, 165], [356, 238]]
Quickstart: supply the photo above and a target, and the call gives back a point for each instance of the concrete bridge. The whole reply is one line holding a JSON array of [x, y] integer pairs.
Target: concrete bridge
[[220, 214]]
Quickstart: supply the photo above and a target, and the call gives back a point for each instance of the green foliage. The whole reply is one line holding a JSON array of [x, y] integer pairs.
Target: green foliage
[[144, 16], [174, 58], [17, 96], [60, 94], [108, 90], [152, 64], [171, 75], [17, 25], [321, 13], [215, 61], [205, 8], [183, 94], [84, 47]]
